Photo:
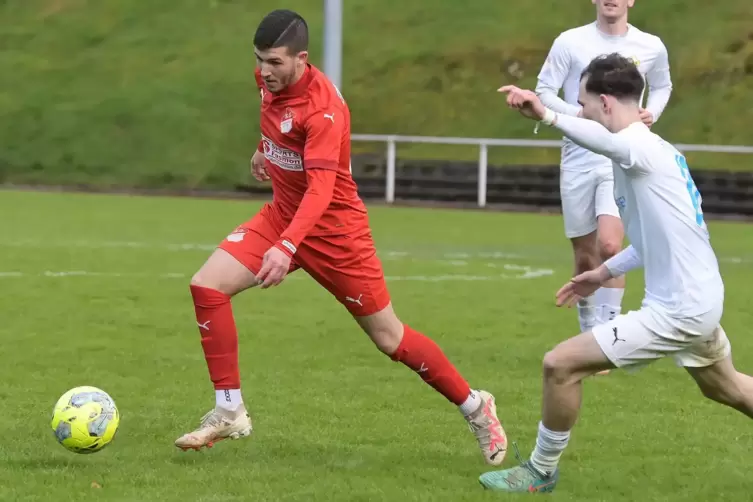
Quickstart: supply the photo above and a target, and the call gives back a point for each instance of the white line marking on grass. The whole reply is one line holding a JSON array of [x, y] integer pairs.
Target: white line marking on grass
[[455, 258], [528, 273]]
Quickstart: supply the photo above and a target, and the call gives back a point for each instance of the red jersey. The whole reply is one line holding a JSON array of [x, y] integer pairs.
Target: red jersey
[[306, 142]]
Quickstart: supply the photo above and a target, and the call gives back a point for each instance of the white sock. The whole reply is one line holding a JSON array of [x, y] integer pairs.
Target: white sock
[[609, 303], [587, 313], [549, 448], [471, 404], [228, 399]]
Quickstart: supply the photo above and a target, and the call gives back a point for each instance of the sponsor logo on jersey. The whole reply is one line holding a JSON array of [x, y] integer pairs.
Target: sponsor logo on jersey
[[286, 125], [282, 157]]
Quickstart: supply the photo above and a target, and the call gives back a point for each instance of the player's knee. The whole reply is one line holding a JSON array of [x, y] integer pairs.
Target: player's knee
[[205, 280], [386, 339], [557, 368], [385, 334], [384, 329], [202, 280]]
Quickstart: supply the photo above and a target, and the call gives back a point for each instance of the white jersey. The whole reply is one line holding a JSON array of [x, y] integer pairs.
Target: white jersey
[[571, 53], [660, 207]]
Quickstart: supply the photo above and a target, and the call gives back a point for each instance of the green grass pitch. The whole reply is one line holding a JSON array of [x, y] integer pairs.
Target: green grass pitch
[[94, 291]]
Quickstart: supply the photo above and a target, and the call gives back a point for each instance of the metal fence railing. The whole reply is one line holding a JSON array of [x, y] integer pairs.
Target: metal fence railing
[[484, 143]]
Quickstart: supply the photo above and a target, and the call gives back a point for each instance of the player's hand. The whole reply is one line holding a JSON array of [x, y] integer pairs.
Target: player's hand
[[274, 268], [647, 117], [258, 167], [581, 286], [526, 102]]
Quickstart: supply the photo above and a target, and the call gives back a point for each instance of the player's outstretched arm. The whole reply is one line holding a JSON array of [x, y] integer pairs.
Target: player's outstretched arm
[[552, 76], [585, 133], [592, 135]]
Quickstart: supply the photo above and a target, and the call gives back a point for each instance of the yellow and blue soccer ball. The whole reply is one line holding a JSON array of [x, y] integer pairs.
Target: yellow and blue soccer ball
[[85, 419]]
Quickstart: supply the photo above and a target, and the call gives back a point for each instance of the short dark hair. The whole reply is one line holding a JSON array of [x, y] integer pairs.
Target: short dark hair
[[614, 75], [282, 28]]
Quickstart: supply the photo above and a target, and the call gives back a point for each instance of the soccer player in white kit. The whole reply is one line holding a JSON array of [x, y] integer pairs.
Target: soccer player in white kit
[[684, 296], [589, 212]]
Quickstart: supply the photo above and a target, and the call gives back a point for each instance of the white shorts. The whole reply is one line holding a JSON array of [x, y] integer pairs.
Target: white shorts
[[585, 196], [643, 336]]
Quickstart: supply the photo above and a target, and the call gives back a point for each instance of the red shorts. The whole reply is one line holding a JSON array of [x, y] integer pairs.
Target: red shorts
[[345, 265]]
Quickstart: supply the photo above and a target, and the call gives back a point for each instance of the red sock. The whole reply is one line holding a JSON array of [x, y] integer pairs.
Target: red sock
[[422, 355], [219, 338]]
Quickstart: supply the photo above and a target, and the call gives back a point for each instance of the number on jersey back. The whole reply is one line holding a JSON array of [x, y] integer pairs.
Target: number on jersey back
[[695, 195]]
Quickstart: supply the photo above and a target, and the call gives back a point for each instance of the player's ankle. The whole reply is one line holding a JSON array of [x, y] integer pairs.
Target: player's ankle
[[472, 403], [228, 399], [549, 447]]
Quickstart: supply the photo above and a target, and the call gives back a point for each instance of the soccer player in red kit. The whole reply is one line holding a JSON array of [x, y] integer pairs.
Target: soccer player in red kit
[[315, 222]]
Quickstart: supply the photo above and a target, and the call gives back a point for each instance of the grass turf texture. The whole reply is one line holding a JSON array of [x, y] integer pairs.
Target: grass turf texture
[[335, 420], [119, 92]]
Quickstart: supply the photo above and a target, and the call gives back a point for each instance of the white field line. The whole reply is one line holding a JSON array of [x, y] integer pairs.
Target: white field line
[[451, 258], [522, 273], [512, 271]]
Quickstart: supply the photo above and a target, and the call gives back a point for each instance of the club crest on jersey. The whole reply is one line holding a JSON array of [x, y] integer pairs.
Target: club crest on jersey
[[286, 125], [237, 235]]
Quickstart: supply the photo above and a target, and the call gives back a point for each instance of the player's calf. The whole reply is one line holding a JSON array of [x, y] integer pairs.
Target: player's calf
[[722, 383], [586, 258], [421, 354], [211, 290], [608, 298]]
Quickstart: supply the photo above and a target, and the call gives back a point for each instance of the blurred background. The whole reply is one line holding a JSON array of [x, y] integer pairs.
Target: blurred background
[[160, 94]]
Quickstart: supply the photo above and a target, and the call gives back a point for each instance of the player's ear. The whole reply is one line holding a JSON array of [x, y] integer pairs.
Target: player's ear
[[631, 3], [303, 57], [605, 104]]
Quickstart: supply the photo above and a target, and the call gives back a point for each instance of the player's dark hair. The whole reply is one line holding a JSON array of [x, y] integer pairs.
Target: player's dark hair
[[282, 28], [614, 75]]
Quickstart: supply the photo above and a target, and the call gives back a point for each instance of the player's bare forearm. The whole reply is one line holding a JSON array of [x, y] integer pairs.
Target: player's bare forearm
[[315, 202]]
